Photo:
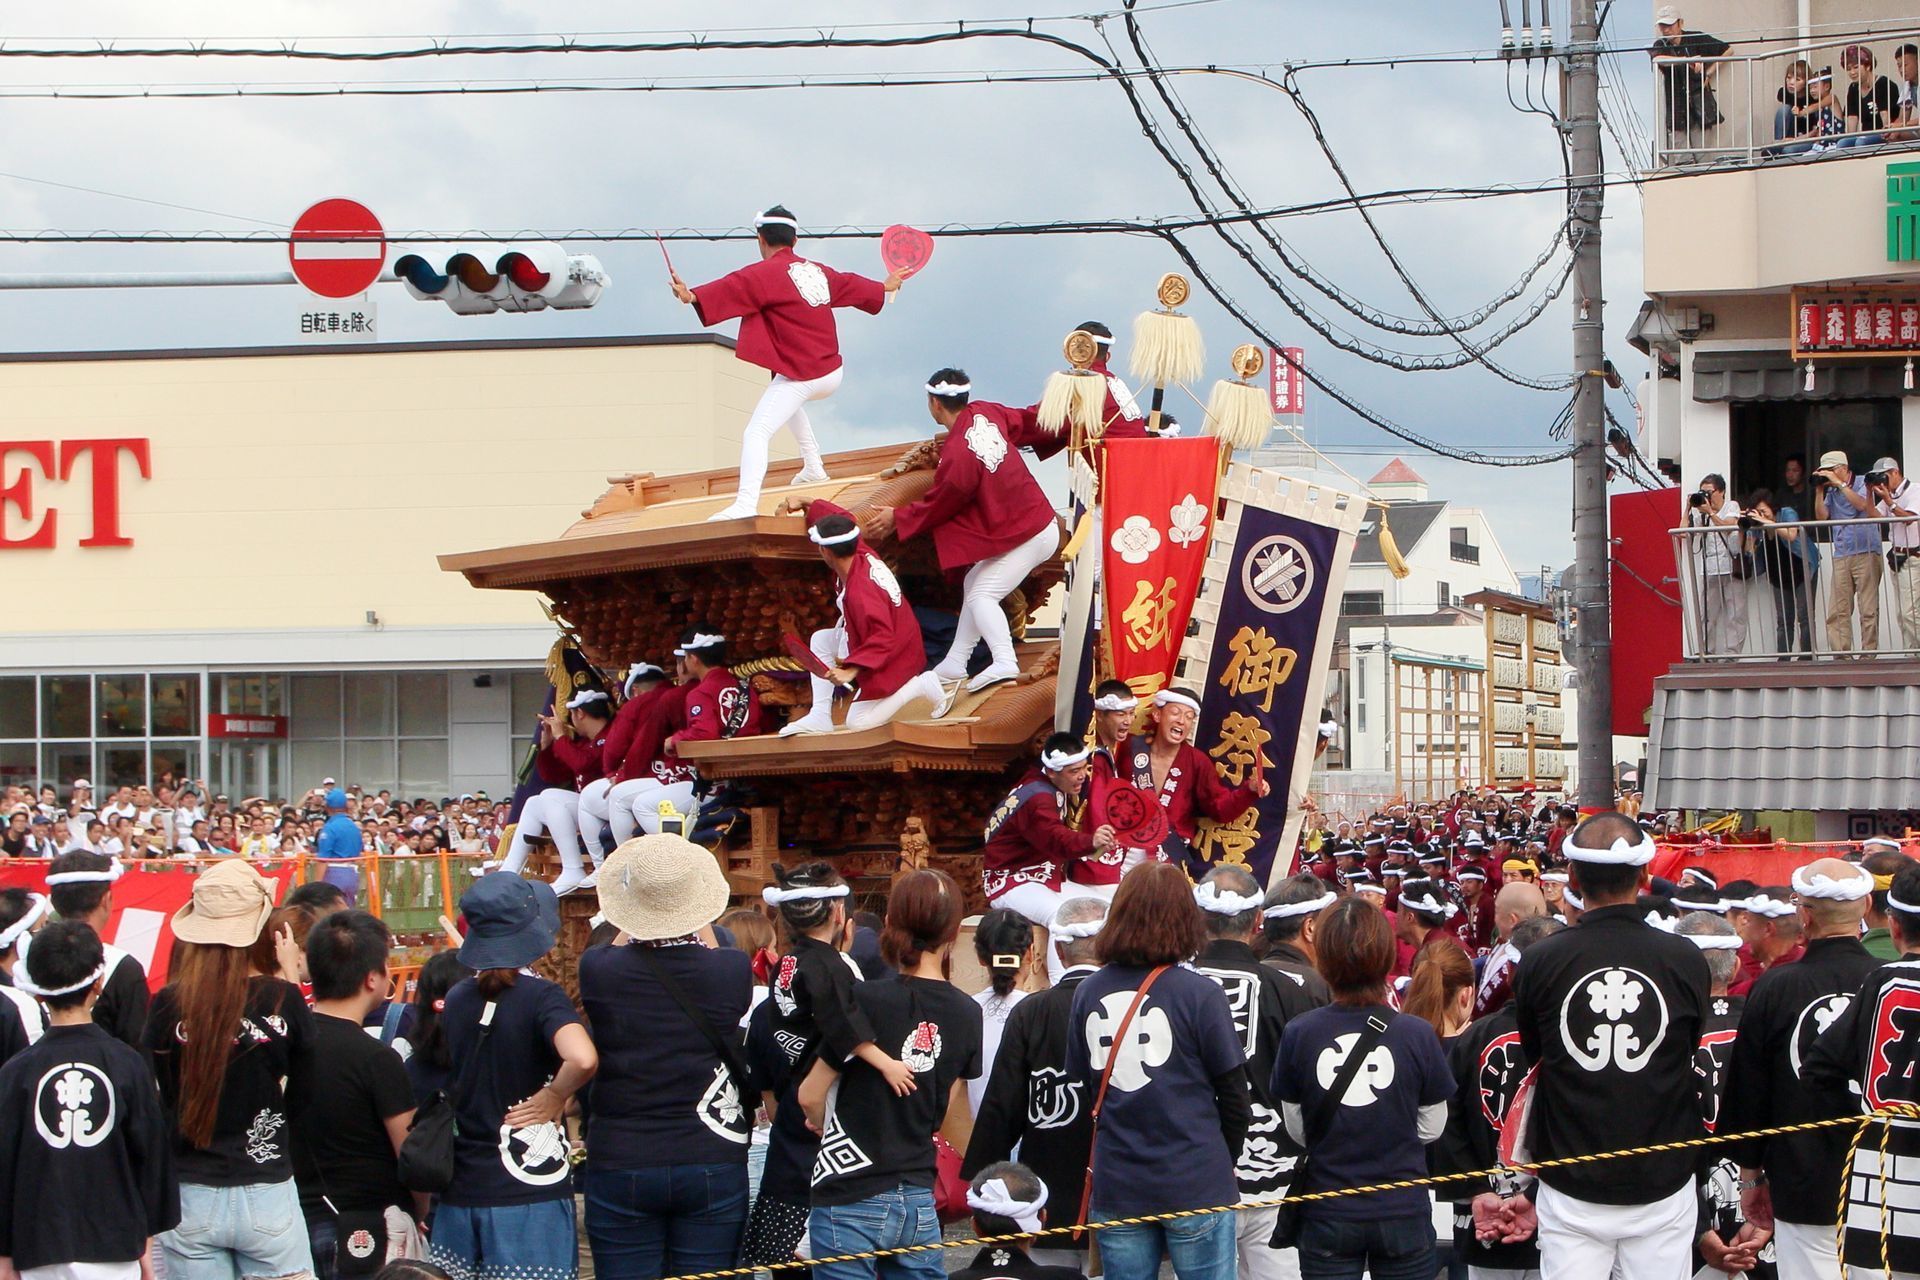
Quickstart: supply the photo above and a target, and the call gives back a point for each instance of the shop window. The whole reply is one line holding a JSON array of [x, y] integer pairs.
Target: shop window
[[121, 767], [423, 767], [68, 703], [367, 702], [1766, 432], [316, 707], [181, 759], [16, 708], [250, 695], [422, 700], [176, 706], [313, 761], [17, 764], [122, 703], [61, 763], [370, 763]]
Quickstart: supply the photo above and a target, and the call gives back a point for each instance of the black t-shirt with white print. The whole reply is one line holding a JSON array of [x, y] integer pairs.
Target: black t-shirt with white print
[[873, 1140], [494, 1165], [814, 1010], [250, 1144], [791, 1146], [662, 1095]]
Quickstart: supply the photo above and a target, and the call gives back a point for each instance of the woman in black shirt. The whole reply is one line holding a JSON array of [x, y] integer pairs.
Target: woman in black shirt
[[223, 1038], [667, 1163], [422, 1036], [873, 1180]]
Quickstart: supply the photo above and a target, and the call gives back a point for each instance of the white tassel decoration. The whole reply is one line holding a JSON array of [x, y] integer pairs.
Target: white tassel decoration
[[1240, 414], [1907, 382], [1056, 403], [1080, 481], [1809, 384], [1079, 397], [1167, 348]]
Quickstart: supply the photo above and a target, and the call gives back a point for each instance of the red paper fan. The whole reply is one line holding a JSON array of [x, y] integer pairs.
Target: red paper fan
[[904, 250], [1138, 820]]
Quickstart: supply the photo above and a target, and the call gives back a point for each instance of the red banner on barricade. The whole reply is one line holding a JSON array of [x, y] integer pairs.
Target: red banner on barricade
[[144, 900], [1157, 513], [1764, 864]]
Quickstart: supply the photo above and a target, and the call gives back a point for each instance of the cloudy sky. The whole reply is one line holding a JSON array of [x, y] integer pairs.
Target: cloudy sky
[[969, 153]]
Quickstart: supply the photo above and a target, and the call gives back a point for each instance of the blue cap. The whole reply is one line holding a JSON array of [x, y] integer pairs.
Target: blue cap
[[337, 799], [507, 925]]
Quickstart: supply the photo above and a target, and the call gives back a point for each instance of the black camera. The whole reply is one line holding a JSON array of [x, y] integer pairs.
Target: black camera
[[1748, 522], [1877, 477], [1698, 498]]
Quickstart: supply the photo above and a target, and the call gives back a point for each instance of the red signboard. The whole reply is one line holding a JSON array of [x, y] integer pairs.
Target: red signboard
[[229, 726], [1853, 324], [337, 248], [1646, 602], [1286, 383]]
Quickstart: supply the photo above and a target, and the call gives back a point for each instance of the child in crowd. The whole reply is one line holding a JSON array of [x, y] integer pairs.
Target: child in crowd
[[1009, 1199], [86, 1153]]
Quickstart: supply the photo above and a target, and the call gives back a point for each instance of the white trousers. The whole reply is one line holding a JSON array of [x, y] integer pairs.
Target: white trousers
[[782, 404], [986, 585], [1580, 1240], [1726, 607], [1259, 1260], [1803, 1252], [552, 814], [591, 816], [829, 644], [1500, 1273], [634, 805]]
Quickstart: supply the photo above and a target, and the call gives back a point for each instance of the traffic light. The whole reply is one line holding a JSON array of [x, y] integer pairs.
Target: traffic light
[[475, 279]]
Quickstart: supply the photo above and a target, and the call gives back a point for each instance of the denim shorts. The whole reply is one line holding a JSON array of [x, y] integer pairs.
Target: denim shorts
[[229, 1232]]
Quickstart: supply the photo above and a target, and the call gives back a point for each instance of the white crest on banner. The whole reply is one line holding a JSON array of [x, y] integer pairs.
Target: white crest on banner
[[1187, 522], [1135, 540]]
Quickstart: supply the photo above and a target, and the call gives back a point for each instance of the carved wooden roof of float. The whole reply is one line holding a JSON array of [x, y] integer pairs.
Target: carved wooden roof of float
[[643, 562]]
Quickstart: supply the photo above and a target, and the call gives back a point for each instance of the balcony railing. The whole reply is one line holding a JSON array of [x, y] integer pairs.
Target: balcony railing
[[1740, 118], [1777, 592]]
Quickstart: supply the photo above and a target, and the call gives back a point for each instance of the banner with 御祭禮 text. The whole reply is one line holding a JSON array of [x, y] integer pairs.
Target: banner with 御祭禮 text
[[1259, 656]]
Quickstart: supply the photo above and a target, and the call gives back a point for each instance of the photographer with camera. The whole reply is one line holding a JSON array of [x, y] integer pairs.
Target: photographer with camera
[[1842, 495], [1789, 557], [1721, 568], [1893, 496]]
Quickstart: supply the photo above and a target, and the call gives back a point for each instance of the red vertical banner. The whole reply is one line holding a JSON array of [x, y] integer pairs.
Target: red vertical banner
[[1860, 324], [1286, 384], [1157, 515], [1808, 333]]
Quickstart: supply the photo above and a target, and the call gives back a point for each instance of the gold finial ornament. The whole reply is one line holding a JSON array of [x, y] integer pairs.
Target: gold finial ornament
[[1174, 290], [1167, 346], [1080, 349], [1247, 360]]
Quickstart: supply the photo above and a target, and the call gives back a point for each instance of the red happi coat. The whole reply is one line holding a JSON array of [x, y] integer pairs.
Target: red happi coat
[[1192, 790], [714, 709], [664, 716], [1123, 419], [883, 636], [571, 762], [785, 307], [1028, 840], [984, 500]]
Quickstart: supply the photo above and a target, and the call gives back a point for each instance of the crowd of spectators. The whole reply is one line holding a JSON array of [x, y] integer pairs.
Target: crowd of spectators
[[171, 818]]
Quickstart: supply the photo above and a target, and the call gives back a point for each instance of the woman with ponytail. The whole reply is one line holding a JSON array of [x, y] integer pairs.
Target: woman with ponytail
[[232, 1048], [873, 1186], [1441, 989], [1004, 944]]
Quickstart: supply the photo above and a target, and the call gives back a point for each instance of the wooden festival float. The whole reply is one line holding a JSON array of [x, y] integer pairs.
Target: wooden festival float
[[643, 563]]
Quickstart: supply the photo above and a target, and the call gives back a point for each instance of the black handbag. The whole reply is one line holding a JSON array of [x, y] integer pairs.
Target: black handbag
[[1286, 1222], [426, 1156]]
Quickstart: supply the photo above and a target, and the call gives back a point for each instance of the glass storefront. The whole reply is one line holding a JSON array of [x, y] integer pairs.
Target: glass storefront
[[114, 729]]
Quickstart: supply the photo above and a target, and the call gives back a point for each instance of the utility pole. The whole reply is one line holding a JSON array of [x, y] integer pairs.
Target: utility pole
[[1591, 607]]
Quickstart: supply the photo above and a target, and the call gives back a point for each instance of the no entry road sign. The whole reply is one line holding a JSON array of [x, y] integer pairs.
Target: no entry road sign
[[337, 248]]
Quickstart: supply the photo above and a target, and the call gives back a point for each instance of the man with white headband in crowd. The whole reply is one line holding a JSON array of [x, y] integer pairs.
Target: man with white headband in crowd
[[1030, 1103], [1610, 1013], [1867, 1060], [1290, 925], [1789, 1182], [1165, 763], [566, 764], [1029, 846], [80, 887], [22, 1021], [644, 686], [876, 651], [1262, 1002], [785, 305], [990, 523], [1421, 914], [1009, 1199], [1769, 926], [1882, 859]]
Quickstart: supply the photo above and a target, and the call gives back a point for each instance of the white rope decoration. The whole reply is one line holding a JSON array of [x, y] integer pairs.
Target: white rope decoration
[[586, 698], [1057, 760], [1617, 854], [1429, 906], [994, 1198], [1114, 702], [1312, 906], [1811, 884], [834, 540], [1224, 902], [949, 388], [1761, 905], [776, 896], [1074, 932], [1174, 697]]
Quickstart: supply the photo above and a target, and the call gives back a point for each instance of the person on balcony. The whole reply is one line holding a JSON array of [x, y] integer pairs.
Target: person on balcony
[[1791, 558], [1723, 587], [1682, 59], [1873, 103], [1856, 554], [1893, 497], [1906, 68], [1794, 117]]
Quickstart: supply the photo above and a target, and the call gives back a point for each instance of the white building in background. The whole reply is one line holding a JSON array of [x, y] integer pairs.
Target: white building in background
[[1450, 549]]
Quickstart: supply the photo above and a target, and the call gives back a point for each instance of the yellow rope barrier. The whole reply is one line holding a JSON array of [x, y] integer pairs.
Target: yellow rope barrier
[[1898, 1111]]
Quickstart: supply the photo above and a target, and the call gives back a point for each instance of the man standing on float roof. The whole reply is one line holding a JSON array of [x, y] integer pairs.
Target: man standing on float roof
[[785, 306]]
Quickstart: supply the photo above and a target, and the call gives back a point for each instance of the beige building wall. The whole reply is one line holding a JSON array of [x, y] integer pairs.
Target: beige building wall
[[301, 490]]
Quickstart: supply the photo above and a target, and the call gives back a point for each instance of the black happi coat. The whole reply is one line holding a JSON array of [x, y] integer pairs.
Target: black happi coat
[[1488, 1065]]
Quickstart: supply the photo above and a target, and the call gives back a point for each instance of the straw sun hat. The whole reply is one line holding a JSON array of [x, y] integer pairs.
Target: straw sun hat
[[230, 905], [661, 886]]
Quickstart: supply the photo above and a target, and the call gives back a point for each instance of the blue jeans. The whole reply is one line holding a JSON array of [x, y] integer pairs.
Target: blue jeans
[[1384, 1248], [1200, 1247], [229, 1232], [665, 1221], [893, 1218], [505, 1242]]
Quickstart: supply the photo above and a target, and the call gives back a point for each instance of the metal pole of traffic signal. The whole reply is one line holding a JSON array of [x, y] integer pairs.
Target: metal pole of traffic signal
[[1592, 607]]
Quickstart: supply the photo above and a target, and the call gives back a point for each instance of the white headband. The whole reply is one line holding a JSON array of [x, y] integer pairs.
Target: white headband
[[776, 896], [108, 876], [1429, 906], [1224, 902], [1073, 932], [1573, 900], [1393, 871], [586, 697], [36, 908], [1114, 702], [1312, 906], [1714, 906], [1694, 873], [1470, 873], [993, 1198], [1810, 884], [1704, 941], [1761, 905], [1558, 877], [1618, 854], [1057, 760], [833, 540], [1175, 697], [1882, 842], [701, 640], [773, 220], [949, 388], [1103, 341], [24, 983], [1368, 886], [1894, 904], [1380, 840]]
